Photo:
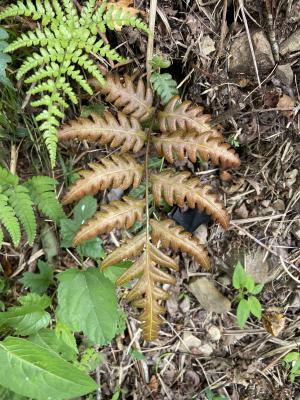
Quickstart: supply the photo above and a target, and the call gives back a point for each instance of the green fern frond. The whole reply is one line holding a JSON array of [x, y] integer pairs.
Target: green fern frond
[[42, 193], [164, 85], [20, 201], [7, 178], [9, 220], [66, 42]]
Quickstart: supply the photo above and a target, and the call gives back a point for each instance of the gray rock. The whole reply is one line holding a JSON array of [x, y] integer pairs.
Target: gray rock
[[241, 59], [291, 44], [285, 74]]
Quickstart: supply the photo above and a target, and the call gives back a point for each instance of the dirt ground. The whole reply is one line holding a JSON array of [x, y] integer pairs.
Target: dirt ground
[[254, 95]]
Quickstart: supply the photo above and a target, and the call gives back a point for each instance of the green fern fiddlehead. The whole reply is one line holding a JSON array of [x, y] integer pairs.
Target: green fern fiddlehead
[[65, 42]]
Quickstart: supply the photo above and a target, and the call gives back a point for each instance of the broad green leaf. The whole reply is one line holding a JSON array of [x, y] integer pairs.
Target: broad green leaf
[[49, 243], [239, 276], [38, 282], [257, 288], [293, 356], [255, 306], [87, 302], [117, 270], [249, 283], [6, 394], [48, 339], [64, 333], [28, 318], [84, 210], [243, 312], [31, 370]]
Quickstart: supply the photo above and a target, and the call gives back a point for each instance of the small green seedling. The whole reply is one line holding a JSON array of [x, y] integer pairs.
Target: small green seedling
[[210, 395], [293, 360], [246, 298]]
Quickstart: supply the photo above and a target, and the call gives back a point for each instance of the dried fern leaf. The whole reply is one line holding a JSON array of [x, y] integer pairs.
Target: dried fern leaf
[[134, 100], [122, 131], [192, 144], [117, 171], [179, 188], [130, 249], [146, 294], [117, 214], [174, 236], [185, 116]]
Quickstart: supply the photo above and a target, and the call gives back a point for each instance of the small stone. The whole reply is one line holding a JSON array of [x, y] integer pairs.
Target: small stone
[[291, 44], [206, 349], [189, 341], [241, 58], [209, 296], [285, 74], [279, 205], [214, 333]]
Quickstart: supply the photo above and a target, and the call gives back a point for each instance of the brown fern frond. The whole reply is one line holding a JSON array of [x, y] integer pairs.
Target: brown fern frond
[[117, 171], [185, 116], [146, 294], [193, 144], [122, 131], [179, 188], [174, 236], [117, 214], [130, 249], [134, 100]]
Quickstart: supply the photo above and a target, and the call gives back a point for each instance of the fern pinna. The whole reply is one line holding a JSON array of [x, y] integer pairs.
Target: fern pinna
[[186, 132], [19, 200], [65, 42]]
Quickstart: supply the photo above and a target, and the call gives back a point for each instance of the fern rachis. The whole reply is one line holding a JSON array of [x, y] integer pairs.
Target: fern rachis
[[196, 137], [65, 42]]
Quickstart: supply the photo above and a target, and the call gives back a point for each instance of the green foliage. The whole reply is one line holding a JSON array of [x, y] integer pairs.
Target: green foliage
[[90, 360], [87, 302], [17, 203], [84, 210], [164, 85], [159, 62], [38, 282], [49, 340], [210, 395], [246, 298], [39, 373], [293, 361], [64, 333], [4, 58], [28, 318], [65, 42]]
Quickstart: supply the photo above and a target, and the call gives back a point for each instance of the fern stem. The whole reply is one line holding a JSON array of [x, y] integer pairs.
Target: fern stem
[[147, 187], [152, 18]]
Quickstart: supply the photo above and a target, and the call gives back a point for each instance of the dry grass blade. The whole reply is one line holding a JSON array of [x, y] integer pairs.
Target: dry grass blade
[[117, 214], [130, 249], [172, 235], [193, 144], [122, 131], [134, 100], [116, 172], [179, 188], [146, 294], [185, 116]]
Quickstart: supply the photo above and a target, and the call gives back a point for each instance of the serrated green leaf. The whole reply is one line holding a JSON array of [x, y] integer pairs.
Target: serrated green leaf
[[31, 370], [255, 306], [92, 248], [115, 271], [48, 339], [38, 282], [87, 302], [64, 333], [159, 62], [28, 318], [243, 312], [239, 276], [90, 359], [164, 86], [257, 288]]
